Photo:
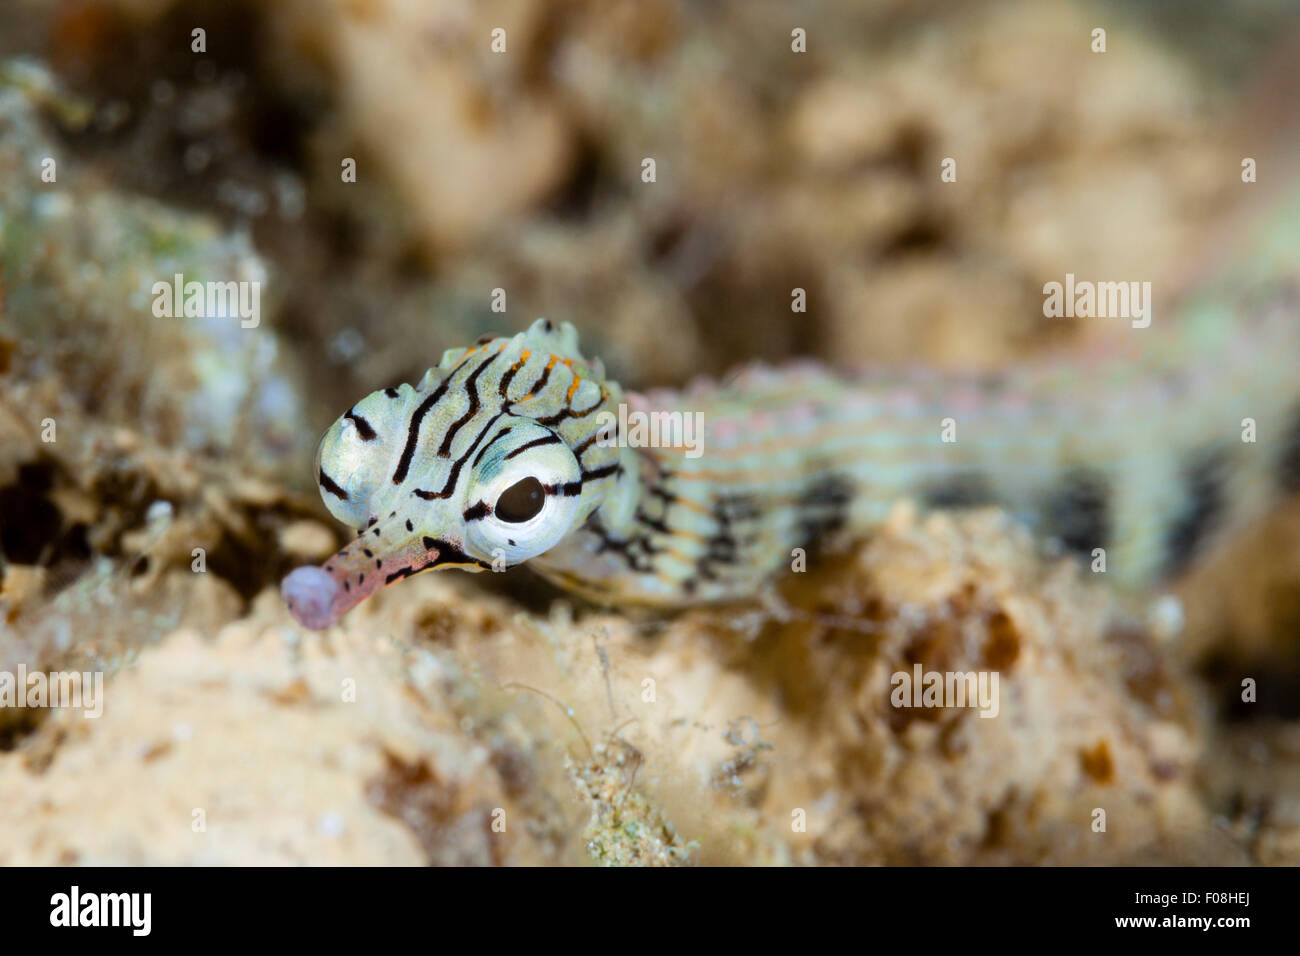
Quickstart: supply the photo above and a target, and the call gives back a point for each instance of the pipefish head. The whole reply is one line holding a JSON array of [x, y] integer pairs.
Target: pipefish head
[[493, 459]]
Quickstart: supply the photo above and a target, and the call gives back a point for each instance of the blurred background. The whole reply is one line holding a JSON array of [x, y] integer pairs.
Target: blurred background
[[225, 156]]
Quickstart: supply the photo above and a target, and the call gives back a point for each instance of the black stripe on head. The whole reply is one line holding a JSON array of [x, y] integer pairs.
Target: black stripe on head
[[413, 430], [364, 431], [590, 440], [549, 439], [509, 377], [568, 411], [474, 512], [569, 489], [1204, 506], [1288, 462], [458, 464], [446, 553], [391, 392], [329, 485], [471, 386], [495, 438], [1077, 511], [963, 489], [540, 384], [604, 471]]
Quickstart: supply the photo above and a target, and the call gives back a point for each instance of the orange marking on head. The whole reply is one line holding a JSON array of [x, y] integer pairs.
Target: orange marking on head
[[573, 387], [549, 365]]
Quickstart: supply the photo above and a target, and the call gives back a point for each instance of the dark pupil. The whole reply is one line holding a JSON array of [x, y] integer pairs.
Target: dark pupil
[[521, 501]]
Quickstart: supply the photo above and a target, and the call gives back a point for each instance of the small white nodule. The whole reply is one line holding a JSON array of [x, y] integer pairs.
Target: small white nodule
[[310, 592], [1166, 617]]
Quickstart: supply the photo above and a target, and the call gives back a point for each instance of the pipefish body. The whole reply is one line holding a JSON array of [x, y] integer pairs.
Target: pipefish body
[[510, 452]]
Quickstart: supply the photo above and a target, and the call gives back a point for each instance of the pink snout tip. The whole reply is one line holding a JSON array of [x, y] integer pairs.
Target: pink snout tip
[[310, 593]]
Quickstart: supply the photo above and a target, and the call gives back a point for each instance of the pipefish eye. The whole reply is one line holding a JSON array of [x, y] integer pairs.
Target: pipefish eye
[[524, 494], [521, 502]]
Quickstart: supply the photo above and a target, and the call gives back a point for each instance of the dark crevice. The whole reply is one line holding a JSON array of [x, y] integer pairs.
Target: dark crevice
[[1277, 688], [575, 199], [30, 523], [921, 237]]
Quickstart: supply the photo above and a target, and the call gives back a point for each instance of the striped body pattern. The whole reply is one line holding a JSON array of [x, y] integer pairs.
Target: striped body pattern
[[503, 455]]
